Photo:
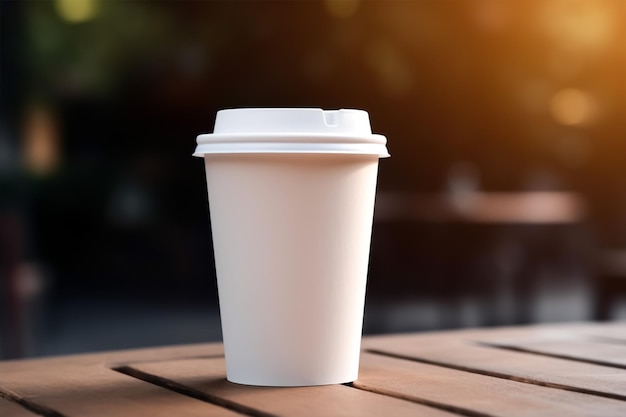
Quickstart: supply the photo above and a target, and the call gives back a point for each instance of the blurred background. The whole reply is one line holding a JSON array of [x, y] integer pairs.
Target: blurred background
[[504, 201]]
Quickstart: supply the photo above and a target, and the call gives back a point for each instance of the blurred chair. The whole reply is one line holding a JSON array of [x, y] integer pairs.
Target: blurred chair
[[21, 284], [485, 249], [610, 281], [11, 248]]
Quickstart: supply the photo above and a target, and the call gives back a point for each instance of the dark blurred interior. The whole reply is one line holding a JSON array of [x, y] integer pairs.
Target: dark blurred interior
[[504, 201]]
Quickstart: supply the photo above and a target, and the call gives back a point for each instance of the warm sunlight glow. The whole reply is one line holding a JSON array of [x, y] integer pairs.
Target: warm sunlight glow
[[583, 25]]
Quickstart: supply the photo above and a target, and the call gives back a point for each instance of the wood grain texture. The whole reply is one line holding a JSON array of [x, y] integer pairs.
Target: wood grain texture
[[601, 343], [208, 376], [114, 358], [560, 331], [11, 409], [85, 386], [539, 369], [475, 394], [100, 391], [612, 330], [471, 372], [588, 351]]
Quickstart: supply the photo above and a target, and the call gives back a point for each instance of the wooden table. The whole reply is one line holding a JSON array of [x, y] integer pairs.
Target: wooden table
[[546, 370]]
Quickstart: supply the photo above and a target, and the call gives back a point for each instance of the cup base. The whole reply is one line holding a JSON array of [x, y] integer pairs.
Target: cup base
[[284, 384]]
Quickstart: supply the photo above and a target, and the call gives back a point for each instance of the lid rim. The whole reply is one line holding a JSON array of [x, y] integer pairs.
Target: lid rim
[[282, 137], [375, 149], [201, 154]]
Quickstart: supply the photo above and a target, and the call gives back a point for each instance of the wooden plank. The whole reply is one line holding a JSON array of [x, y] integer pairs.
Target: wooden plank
[[95, 390], [520, 366], [474, 394], [589, 351], [600, 343], [207, 376], [114, 358], [11, 409], [561, 331], [610, 330], [83, 385]]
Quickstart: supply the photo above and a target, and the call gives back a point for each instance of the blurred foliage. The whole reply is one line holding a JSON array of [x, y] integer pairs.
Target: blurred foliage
[[90, 58]]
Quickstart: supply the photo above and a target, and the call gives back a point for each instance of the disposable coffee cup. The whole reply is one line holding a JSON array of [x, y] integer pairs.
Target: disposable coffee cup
[[291, 201]]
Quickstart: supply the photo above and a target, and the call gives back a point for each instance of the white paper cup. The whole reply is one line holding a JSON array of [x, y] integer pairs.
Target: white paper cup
[[291, 197]]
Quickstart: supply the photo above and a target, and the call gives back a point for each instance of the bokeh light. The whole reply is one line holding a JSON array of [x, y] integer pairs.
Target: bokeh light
[[342, 9], [571, 106], [394, 74], [40, 150], [77, 11], [573, 149]]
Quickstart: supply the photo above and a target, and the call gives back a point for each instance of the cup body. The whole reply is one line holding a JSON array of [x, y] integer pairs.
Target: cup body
[[291, 235]]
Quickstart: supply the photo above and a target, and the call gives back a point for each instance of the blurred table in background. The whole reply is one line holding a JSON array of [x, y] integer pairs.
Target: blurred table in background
[[531, 207], [480, 258]]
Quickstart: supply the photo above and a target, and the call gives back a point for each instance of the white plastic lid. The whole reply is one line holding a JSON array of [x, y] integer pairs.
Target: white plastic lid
[[296, 130]]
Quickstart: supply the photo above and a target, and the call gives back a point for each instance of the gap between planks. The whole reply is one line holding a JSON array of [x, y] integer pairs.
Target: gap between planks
[[434, 404], [408, 379], [607, 339], [537, 351], [29, 405], [190, 392], [168, 383], [204, 396], [497, 374], [115, 366]]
